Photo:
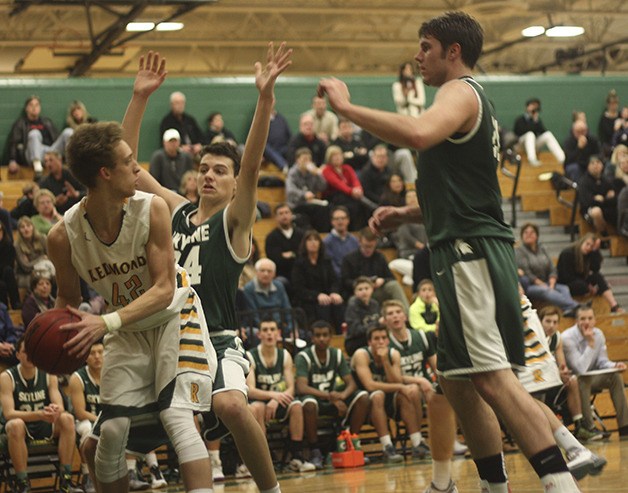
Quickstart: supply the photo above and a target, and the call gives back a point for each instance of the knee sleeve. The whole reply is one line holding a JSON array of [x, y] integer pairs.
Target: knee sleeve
[[187, 442], [110, 454]]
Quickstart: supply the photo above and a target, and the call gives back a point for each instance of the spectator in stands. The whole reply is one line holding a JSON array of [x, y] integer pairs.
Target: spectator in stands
[[279, 135], [585, 351], [424, 311], [216, 131], [367, 261], [362, 314], [306, 137], [344, 187], [8, 281], [32, 408], [375, 175], [77, 115], [169, 163], [353, 148], [315, 285], [8, 337], [66, 189], [537, 272], [40, 298], [188, 187], [325, 121], [265, 293], [533, 135], [31, 136], [579, 146], [47, 215], [621, 128], [272, 391], [606, 127], [30, 249], [596, 197], [190, 133], [304, 184], [579, 268], [402, 161], [619, 160], [394, 193], [339, 242], [418, 363], [550, 318], [320, 368], [408, 91], [282, 243], [25, 205], [377, 369], [5, 218]]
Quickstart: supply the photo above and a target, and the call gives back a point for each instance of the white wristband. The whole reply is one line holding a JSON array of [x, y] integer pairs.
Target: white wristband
[[112, 321]]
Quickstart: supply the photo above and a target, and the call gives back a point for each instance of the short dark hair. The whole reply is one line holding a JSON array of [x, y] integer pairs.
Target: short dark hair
[[91, 148], [321, 324], [341, 208], [533, 101], [224, 149], [456, 27], [529, 225], [549, 310], [282, 205], [367, 234], [373, 329], [362, 280], [268, 319]]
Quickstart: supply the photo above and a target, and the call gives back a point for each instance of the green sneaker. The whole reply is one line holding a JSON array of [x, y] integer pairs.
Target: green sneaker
[[583, 435]]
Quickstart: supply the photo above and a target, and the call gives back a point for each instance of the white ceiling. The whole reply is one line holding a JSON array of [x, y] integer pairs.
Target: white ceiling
[[369, 37]]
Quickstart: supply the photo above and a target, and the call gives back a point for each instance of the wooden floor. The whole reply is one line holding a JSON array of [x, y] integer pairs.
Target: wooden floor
[[414, 477]]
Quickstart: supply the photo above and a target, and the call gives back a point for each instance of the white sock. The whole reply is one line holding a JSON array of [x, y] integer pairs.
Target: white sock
[[214, 454], [131, 463], [151, 459], [84, 468], [494, 487], [566, 440], [441, 473], [37, 167], [274, 489], [385, 440], [416, 438], [576, 417], [562, 482]]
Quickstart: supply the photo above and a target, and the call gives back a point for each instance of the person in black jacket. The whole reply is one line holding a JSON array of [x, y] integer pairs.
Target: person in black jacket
[[31, 136], [579, 147], [579, 268], [533, 135], [8, 281], [186, 125], [282, 243], [375, 175], [314, 283], [596, 196], [367, 261]]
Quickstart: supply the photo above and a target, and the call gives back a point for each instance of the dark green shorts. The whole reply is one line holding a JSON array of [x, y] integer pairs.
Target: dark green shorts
[[481, 327], [326, 408]]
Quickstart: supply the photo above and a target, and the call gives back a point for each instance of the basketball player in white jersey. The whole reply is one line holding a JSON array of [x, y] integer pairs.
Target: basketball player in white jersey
[[157, 356]]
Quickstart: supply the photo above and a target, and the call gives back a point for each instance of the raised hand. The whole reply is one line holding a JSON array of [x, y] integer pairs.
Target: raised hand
[[151, 73], [276, 63], [337, 93]]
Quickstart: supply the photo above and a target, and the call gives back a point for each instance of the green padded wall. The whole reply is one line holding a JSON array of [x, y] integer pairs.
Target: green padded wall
[[106, 99]]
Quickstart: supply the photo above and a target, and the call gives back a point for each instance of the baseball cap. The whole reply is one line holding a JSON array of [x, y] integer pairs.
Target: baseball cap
[[170, 134]]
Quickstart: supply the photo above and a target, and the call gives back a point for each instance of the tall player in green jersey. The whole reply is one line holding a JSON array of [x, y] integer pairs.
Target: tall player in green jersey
[[472, 257], [213, 241]]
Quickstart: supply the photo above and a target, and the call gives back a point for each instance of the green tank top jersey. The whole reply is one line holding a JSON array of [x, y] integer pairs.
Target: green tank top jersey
[[205, 252], [29, 395], [378, 373], [414, 353], [268, 377], [553, 342], [457, 182], [321, 376], [91, 391]]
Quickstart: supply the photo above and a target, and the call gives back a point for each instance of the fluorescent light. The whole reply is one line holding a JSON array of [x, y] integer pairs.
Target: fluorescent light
[[533, 31], [169, 26], [140, 26], [564, 31]]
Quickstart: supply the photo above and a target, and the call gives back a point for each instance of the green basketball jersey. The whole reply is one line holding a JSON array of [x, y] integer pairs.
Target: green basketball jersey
[[457, 182], [29, 395], [214, 269], [378, 373], [91, 391], [321, 376], [269, 377], [414, 353]]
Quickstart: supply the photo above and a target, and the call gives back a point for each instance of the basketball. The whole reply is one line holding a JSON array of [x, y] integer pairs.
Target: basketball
[[44, 342]]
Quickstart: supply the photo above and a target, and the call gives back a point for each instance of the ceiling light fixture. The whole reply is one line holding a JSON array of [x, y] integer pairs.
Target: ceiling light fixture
[[137, 27], [533, 31], [169, 26], [564, 31]]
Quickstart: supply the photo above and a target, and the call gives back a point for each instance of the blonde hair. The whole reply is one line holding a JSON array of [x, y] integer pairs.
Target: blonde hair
[[40, 193]]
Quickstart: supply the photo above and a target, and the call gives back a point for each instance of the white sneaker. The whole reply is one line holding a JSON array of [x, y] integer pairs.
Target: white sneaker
[[583, 462], [298, 465], [451, 488], [555, 483], [157, 479], [217, 474], [242, 472], [460, 448]]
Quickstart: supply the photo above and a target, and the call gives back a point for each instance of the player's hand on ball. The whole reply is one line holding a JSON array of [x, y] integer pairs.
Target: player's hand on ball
[[90, 328]]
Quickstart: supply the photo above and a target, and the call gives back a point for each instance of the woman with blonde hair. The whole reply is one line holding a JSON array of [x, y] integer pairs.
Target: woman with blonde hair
[[47, 215], [188, 187], [77, 115], [579, 268], [30, 248]]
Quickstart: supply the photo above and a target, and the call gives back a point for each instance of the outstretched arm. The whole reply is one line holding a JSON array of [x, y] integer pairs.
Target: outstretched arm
[[241, 215], [150, 75]]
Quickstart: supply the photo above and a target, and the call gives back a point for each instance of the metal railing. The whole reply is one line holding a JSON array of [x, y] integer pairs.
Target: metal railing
[[509, 155], [562, 184]]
